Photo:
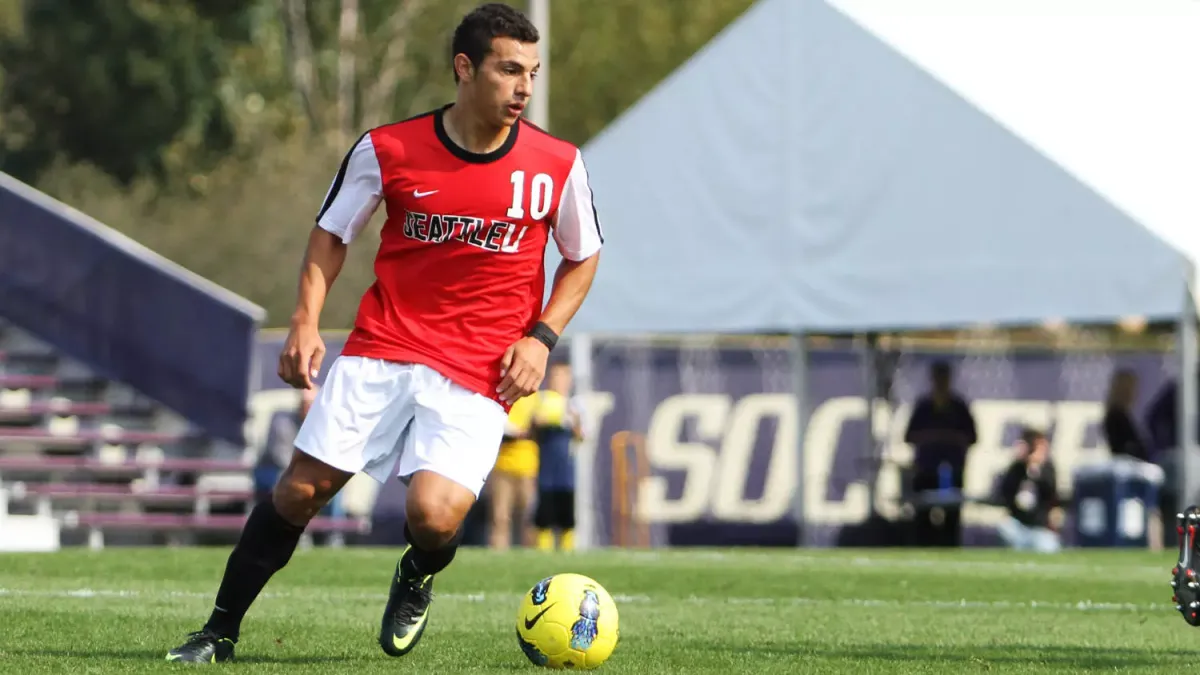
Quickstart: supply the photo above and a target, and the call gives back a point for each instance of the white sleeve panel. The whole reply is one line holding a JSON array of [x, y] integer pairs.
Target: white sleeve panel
[[577, 228], [355, 194]]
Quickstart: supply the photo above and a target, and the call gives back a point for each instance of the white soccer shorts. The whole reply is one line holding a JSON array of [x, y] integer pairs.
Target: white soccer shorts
[[369, 412]]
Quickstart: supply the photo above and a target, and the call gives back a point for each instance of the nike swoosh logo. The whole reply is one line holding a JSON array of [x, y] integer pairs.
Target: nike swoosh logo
[[403, 642], [418, 194], [530, 623]]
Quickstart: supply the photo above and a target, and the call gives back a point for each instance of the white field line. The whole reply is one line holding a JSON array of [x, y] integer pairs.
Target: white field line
[[1082, 606], [1048, 567]]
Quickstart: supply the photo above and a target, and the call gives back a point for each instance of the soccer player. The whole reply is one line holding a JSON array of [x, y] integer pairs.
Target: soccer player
[[557, 423], [512, 485], [449, 335]]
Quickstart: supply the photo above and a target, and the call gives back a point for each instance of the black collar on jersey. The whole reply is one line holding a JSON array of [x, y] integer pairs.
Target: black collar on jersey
[[439, 127]]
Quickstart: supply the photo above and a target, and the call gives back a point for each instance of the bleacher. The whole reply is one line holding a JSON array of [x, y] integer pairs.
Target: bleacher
[[106, 465], [124, 388]]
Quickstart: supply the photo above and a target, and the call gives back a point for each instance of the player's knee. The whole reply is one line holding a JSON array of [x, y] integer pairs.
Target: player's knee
[[433, 522], [303, 490], [295, 500]]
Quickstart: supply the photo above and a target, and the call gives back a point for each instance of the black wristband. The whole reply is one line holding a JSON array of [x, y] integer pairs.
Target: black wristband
[[543, 334]]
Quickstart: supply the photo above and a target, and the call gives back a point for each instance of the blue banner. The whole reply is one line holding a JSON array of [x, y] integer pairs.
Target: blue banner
[[720, 429], [127, 313]]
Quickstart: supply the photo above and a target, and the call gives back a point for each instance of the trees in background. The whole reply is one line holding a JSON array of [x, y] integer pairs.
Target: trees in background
[[115, 84], [209, 129]]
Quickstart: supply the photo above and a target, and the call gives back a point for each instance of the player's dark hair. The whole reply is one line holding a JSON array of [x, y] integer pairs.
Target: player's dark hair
[[485, 23]]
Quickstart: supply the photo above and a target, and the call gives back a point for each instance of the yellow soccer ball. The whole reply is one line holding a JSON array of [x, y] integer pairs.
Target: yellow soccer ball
[[567, 621]]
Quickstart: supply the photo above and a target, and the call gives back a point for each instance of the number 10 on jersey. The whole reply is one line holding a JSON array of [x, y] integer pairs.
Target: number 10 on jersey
[[540, 194]]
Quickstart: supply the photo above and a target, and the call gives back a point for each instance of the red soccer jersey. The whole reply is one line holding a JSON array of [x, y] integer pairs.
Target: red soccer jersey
[[460, 273]]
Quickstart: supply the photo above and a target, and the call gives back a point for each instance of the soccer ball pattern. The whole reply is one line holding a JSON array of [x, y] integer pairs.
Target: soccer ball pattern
[[567, 621]]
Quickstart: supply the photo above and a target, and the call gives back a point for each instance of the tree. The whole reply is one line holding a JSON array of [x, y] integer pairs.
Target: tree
[[113, 83], [296, 81], [358, 64]]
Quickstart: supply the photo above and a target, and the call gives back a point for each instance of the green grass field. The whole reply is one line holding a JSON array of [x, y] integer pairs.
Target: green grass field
[[691, 611]]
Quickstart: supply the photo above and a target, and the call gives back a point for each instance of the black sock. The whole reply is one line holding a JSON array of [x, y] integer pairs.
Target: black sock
[[266, 545], [418, 562]]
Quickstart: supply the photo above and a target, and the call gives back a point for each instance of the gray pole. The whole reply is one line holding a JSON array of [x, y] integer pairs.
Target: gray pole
[[1188, 480], [871, 382], [539, 105], [580, 355], [800, 387]]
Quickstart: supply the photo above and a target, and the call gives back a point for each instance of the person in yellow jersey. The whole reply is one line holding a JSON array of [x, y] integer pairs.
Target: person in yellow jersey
[[557, 423], [512, 484]]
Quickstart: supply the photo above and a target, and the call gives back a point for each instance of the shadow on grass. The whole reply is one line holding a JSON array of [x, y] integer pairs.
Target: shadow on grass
[[1059, 655]]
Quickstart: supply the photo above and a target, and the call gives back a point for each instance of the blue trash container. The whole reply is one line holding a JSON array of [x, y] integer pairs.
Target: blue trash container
[[1112, 503]]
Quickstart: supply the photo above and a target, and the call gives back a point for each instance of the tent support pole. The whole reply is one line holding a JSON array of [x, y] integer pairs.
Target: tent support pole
[[870, 458], [580, 356], [1188, 480], [800, 392]]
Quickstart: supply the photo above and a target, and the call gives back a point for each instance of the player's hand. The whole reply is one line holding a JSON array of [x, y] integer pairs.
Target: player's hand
[[300, 361], [522, 369]]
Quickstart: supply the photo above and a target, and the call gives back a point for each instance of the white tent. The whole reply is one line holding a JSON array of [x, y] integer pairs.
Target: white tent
[[870, 165], [844, 166]]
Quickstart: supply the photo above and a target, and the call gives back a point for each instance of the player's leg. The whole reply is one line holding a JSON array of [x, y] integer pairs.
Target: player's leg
[[526, 498], [543, 520], [558, 519], [336, 440], [1012, 533], [953, 532], [1044, 540], [434, 511], [267, 542], [924, 531], [566, 520], [503, 492], [447, 456]]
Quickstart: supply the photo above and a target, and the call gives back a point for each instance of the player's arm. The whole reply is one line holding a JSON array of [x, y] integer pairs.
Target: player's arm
[[352, 199], [579, 238], [323, 260]]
